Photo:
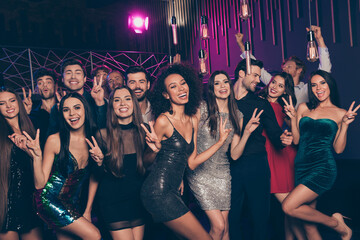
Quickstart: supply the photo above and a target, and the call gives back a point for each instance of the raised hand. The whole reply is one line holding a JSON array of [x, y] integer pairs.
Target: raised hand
[[27, 101], [97, 92], [289, 108], [253, 122], [151, 138], [59, 97], [223, 131], [349, 116], [177, 58], [95, 151], [239, 39], [286, 138], [33, 145], [19, 140]]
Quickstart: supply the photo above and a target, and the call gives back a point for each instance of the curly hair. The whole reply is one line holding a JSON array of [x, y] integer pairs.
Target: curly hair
[[160, 104]]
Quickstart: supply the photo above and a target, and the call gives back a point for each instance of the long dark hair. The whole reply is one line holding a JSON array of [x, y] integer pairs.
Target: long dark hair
[[64, 130], [213, 108], [114, 141], [6, 146], [160, 104], [334, 93], [289, 89]]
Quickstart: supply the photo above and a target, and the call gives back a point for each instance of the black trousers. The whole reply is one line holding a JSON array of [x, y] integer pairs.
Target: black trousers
[[250, 182]]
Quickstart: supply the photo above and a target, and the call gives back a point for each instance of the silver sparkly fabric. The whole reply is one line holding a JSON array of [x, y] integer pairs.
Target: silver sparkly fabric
[[210, 182]]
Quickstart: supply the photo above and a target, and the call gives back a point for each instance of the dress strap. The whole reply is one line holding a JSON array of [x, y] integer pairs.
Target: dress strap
[[169, 120]]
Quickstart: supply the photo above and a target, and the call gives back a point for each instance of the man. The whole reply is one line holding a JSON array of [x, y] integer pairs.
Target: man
[[45, 82], [138, 80], [251, 174], [114, 79], [74, 77], [295, 67]]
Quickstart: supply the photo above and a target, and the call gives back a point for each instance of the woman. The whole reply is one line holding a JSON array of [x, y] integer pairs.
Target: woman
[[210, 182], [320, 124], [59, 174], [281, 161], [17, 216], [119, 177]]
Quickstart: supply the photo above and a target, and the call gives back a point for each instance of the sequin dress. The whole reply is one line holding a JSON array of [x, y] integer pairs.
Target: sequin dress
[[160, 191], [210, 182], [315, 166], [21, 216], [58, 202]]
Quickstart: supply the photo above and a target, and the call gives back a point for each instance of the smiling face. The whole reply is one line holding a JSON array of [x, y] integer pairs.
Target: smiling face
[[221, 86], [123, 105], [177, 90], [46, 87], [320, 88], [115, 80], [252, 80], [138, 84], [291, 68], [74, 78], [74, 113], [9, 106], [276, 87]]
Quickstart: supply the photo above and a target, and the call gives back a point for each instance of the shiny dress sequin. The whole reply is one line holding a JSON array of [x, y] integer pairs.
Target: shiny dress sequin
[[58, 202], [21, 216], [159, 192], [315, 166], [210, 182]]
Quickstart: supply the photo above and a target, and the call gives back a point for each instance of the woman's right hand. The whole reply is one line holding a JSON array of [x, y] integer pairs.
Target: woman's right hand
[[151, 138], [95, 151], [289, 108]]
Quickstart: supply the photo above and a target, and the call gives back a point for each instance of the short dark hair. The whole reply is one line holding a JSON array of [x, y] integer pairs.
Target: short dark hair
[[159, 104], [98, 68], [299, 64], [72, 61], [242, 66], [334, 92], [136, 69], [46, 72]]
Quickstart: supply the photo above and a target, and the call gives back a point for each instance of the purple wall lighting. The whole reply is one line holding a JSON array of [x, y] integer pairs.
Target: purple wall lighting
[[138, 23]]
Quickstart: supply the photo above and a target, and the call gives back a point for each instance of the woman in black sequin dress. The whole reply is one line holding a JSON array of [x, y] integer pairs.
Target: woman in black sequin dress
[[175, 100], [17, 216]]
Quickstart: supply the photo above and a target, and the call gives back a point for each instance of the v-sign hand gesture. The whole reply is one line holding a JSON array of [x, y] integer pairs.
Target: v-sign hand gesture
[[349, 116], [151, 138], [95, 151], [254, 121], [33, 145], [289, 108], [223, 131], [97, 92], [27, 101]]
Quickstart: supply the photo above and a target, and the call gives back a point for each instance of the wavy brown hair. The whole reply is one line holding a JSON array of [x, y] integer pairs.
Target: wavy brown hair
[[6, 146], [114, 143]]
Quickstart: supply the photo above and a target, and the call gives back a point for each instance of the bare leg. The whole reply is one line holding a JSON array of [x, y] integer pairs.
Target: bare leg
[[291, 226], [311, 230], [189, 227], [217, 224], [226, 230], [136, 233], [10, 235], [296, 205], [34, 234], [83, 229]]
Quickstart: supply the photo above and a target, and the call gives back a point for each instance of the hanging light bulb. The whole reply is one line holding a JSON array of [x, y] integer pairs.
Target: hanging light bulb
[[311, 52], [204, 30], [174, 30], [247, 57], [203, 63], [245, 11]]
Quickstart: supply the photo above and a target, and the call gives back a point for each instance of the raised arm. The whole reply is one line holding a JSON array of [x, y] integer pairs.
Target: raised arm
[[294, 117], [238, 143], [196, 159], [341, 135]]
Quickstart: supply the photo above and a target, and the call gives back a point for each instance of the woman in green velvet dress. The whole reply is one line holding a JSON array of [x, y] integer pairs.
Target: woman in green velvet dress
[[321, 124]]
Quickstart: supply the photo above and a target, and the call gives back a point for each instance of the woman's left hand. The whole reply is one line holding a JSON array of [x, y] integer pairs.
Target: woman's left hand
[[254, 121], [349, 116]]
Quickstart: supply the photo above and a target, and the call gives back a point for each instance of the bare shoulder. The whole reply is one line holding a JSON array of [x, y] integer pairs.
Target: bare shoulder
[[53, 143], [162, 121]]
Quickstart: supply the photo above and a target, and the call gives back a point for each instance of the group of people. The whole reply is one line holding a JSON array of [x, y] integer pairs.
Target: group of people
[[132, 148]]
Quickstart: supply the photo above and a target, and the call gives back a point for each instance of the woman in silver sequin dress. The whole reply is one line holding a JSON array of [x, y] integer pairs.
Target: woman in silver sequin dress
[[210, 182]]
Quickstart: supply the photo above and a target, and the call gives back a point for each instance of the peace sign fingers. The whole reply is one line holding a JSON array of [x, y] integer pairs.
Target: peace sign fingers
[[95, 151], [349, 116], [27, 101], [151, 137]]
